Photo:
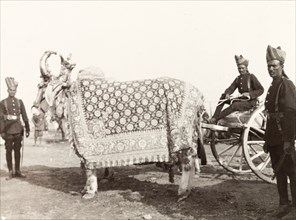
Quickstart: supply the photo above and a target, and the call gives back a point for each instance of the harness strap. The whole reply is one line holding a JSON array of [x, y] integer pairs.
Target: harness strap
[[42, 110], [19, 103], [40, 107], [249, 83], [277, 118], [5, 104]]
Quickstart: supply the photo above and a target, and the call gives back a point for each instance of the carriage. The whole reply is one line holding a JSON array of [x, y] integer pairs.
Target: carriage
[[236, 142]]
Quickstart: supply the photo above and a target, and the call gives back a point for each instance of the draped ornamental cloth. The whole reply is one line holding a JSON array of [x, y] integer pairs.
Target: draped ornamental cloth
[[122, 123]]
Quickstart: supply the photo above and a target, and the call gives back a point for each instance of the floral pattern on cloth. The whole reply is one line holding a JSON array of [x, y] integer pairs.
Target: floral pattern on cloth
[[122, 123]]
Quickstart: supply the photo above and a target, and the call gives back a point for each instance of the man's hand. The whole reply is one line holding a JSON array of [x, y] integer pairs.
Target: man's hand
[[227, 96], [246, 94], [3, 135], [27, 134], [287, 147]]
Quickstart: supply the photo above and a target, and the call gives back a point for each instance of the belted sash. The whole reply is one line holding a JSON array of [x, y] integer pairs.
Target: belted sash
[[276, 115], [11, 117]]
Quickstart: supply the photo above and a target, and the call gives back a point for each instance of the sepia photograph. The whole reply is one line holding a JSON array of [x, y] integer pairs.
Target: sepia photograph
[[147, 110]]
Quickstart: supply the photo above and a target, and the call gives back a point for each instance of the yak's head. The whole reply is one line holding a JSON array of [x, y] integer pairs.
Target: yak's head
[[53, 87], [56, 87]]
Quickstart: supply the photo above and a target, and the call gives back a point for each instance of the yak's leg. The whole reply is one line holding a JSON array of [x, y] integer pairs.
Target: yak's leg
[[188, 171], [171, 174], [62, 128], [108, 176], [91, 186], [197, 166], [106, 173]]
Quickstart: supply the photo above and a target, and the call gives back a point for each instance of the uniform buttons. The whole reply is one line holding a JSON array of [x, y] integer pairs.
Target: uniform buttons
[[266, 101], [13, 104]]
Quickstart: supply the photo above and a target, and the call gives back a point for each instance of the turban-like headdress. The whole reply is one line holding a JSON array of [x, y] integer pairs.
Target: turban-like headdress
[[275, 54], [11, 83], [240, 60]]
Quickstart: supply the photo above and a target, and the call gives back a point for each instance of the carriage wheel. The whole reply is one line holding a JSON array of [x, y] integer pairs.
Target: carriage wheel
[[228, 150], [253, 143]]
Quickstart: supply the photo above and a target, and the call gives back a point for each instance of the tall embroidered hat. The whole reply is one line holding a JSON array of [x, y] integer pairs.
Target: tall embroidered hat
[[240, 60], [275, 54], [11, 83]]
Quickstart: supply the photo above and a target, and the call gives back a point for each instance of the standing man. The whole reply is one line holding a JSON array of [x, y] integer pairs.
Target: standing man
[[39, 122], [248, 86], [11, 129], [280, 106]]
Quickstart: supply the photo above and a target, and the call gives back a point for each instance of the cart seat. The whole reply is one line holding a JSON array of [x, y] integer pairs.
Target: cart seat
[[236, 119]]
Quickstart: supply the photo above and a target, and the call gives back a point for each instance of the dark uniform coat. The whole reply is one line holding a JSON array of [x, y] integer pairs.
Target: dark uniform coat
[[246, 83], [286, 108], [11, 111]]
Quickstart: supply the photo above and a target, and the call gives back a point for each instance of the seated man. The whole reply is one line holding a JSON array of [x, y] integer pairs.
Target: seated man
[[248, 86]]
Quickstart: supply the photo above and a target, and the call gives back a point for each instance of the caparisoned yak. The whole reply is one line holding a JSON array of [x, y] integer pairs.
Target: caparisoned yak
[[114, 123]]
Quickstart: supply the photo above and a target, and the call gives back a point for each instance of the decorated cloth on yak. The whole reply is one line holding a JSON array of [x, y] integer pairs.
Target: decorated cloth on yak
[[122, 123]]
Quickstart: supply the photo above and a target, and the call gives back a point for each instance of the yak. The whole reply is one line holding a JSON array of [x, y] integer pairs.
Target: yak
[[120, 123]]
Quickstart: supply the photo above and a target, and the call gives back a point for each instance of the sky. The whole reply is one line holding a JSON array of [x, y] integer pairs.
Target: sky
[[194, 41]]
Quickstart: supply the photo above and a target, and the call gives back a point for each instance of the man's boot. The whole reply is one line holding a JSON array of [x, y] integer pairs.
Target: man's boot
[[281, 211], [291, 215], [18, 173], [17, 158], [9, 164]]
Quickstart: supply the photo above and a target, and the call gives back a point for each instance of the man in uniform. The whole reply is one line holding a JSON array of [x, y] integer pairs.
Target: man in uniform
[[280, 106], [247, 84], [11, 129]]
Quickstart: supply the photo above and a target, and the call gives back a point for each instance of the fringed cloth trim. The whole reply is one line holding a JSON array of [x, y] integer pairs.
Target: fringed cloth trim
[[125, 160]]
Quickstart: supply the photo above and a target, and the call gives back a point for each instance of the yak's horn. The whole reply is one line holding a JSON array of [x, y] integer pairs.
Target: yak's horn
[[65, 62], [43, 63], [62, 58]]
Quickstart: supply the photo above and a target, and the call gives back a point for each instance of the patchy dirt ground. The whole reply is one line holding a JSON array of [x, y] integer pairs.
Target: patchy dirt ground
[[137, 192]]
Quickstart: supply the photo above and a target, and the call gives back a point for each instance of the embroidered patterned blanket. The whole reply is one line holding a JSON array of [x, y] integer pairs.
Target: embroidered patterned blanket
[[122, 123]]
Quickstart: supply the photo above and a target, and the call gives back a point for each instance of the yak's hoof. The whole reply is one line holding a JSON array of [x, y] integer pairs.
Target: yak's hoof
[[196, 175], [184, 195], [88, 195], [182, 198], [74, 193]]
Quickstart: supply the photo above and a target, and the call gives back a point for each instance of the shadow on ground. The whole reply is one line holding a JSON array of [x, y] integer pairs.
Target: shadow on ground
[[226, 198]]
